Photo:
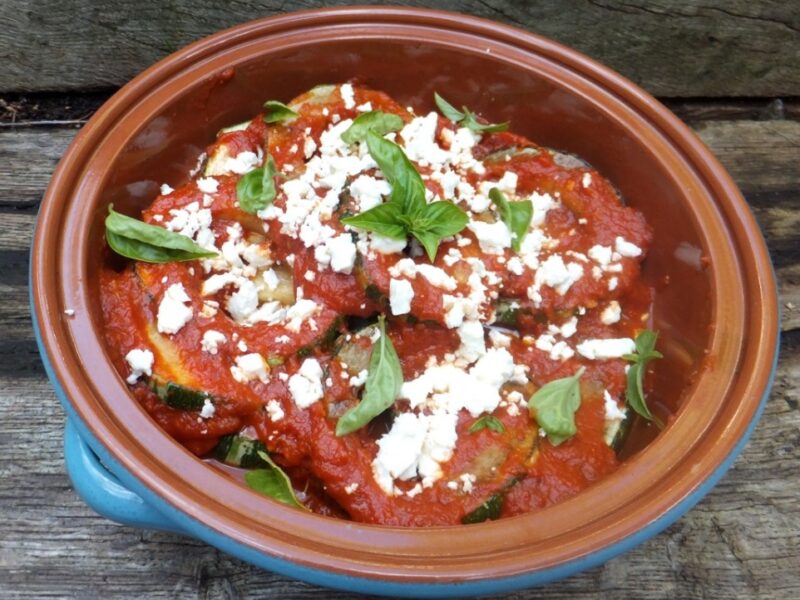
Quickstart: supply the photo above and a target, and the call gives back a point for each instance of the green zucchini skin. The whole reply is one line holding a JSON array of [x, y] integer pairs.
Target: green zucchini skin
[[489, 510], [238, 451], [178, 396], [618, 441], [324, 341]]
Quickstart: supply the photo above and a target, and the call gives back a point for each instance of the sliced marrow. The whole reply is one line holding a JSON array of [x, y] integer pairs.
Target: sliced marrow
[[238, 451]]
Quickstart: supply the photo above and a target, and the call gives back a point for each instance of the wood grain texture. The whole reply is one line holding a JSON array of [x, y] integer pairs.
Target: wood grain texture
[[742, 541], [671, 47]]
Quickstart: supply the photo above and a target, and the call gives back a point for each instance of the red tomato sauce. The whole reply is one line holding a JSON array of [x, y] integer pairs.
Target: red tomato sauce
[[332, 474]]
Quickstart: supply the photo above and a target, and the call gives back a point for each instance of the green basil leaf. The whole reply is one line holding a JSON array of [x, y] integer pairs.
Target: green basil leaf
[[516, 215], [256, 190], [466, 118], [276, 112], [384, 379], [488, 422], [447, 109], [376, 121], [470, 122], [138, 240], [408, 190], [645, 352], [383, 219], [554, 405], [435, 222], [273, 482]]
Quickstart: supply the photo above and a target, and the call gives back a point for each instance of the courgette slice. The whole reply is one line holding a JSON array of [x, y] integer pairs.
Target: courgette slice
[[510, 152], [282, 289], [506, 312], [177, 395], [324, 341], [616, 435], [490, 509], [355, 349], [239, 451]]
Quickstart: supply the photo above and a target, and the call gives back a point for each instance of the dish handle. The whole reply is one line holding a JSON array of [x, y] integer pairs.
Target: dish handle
[[103, 492]]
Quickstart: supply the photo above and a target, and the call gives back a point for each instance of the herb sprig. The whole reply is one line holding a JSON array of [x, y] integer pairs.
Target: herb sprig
[[384, 379], [645, 352], [466, 118], [554, 404], [273, 482], [406, 213], [138, 240], [277, 112], [516, 215], [256, 190], [488, 422]]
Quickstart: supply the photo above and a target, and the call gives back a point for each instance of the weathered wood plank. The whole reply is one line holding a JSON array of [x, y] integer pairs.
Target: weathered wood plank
[[671, 47], [741, 542]]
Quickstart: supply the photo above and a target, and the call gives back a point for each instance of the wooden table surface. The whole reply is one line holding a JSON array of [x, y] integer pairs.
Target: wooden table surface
[[730, 70]]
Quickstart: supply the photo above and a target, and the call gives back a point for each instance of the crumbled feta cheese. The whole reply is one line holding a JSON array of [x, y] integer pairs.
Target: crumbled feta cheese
[[250, 366], [208, 409], [400, 296], [346, 91], [473, 344], [626, 248], [586, 180], [211, 341], [493, 238], [614, 417], [166, 190], [360, 379], [207, 185], [611, 313], [602, 349], [306, 385], [274, 410], [173, 313], [140, 362], [385, 245], [369, 191], [350, 488]]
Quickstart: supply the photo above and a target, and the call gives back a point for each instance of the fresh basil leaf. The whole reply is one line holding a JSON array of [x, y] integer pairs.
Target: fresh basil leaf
[[645, 352], [466, 118], [447, 109], [383, 219], [489, 510], [273, 482], [488, 422], [554, 405], [516, 215], [384, 379], [408, 190], [256, 190], [376, 121], [437, 221], [471, 122], [276, 112], [138, 240]]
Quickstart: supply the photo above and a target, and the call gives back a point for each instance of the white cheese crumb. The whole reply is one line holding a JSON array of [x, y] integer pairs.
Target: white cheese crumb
[[611, 313], [626, 248], [274, 410], [350, 488], [141, 363], [208, 409], [173, 314], [360, 379], [586, 180], [211, 341], [602, 349], [400, 295], [250, 366], [348, 97], [306, 385], [166, 190], [207, 185], [614, 417]]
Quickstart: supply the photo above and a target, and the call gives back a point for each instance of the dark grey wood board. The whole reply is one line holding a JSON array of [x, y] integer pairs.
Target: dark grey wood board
[[742, 541], [684, 48]]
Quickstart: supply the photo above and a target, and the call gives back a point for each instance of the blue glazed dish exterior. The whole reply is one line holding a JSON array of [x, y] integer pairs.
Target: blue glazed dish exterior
[[121, 497]]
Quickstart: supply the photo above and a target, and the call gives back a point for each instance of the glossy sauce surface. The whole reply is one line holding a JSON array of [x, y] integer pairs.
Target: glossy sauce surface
[[334, 474]]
